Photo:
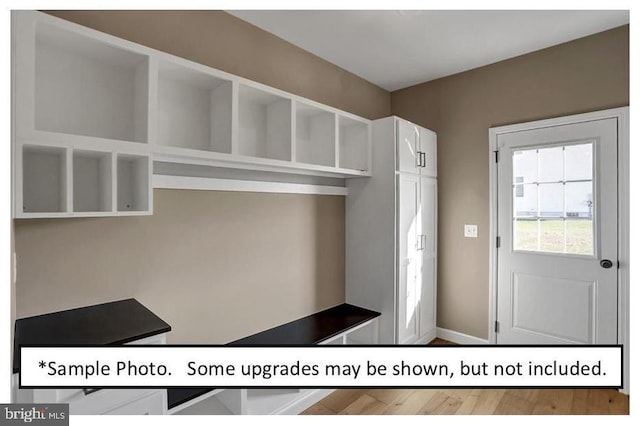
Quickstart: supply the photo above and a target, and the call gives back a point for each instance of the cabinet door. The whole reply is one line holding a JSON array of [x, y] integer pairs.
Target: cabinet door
[[428, 210], [408, 147], [428, 146], [408, 257]]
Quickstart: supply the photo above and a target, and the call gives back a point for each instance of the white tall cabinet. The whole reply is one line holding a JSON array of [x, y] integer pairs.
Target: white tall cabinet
[[391, 233]]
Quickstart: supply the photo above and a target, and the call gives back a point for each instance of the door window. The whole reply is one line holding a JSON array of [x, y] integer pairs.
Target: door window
[[553, 203]]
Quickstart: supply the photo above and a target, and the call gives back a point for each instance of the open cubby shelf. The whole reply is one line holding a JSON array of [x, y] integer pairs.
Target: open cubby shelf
[[133, 183], [86, 87], [93, 111], [315, 135], [62, 181], [264, 124], [354, 144], [44, 179], [92, 183], [194, 109]]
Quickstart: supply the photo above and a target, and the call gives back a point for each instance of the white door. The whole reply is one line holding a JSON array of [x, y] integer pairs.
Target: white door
[[557, 222], [427, 245], [408, 256], [408, 147]]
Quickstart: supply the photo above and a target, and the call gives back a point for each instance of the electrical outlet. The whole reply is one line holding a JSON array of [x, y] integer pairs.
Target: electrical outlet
[[471, 231]]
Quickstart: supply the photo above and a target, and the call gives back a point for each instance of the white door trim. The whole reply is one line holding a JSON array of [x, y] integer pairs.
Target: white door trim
[[622, 116]]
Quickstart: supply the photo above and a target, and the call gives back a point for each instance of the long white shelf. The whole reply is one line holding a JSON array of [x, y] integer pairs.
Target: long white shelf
[[215, 184], [78, 90]]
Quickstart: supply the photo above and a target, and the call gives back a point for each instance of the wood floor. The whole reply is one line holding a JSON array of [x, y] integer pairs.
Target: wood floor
[[472, 401]]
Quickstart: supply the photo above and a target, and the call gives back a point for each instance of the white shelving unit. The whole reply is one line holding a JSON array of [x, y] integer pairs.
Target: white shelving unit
[[92, 181], [86, 87], [44, 179], [194, 109], [133, 183], [315, 135], [264, 124], [86, 99], [354, 136]]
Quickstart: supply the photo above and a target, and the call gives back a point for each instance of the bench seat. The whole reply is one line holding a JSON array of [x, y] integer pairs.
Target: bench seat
[[310, 330]]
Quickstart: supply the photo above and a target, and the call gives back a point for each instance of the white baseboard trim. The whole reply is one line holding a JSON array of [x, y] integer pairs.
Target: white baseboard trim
[[459, 338], [427, 338], [307, 400]]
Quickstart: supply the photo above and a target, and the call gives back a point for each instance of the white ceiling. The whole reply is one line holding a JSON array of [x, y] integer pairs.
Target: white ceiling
[[397, 49]]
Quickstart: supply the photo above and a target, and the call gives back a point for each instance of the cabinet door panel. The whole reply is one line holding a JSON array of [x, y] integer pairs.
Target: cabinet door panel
[[428, 211], [408, 140], [428, 146], [408, 256]]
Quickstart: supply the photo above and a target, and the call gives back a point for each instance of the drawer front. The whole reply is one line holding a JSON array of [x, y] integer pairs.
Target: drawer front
[[149, 405], [106, 400]]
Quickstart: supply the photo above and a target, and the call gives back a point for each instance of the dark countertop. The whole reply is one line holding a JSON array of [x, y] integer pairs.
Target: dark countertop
[[309, 330], [312, 329], [112, 323]]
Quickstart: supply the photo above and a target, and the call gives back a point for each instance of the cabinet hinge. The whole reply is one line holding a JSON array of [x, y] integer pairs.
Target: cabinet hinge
[[497, 154], [497, 242], [496, 327]]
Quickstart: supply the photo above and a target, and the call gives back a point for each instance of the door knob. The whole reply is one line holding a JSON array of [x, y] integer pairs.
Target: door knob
[[606, 263]]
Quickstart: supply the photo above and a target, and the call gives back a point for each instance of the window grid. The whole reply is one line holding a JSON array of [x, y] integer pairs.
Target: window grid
[[518, 190]]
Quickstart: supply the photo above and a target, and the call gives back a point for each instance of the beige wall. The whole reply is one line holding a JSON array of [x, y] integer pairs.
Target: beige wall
[[216, 265], [583, 75]]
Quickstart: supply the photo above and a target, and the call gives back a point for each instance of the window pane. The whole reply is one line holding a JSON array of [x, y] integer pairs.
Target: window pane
[[580, 236], [526, 205], [552, 235], [550, 164], [525, 165], [525, 234], [551, 200], [578, 162], [579, 199]]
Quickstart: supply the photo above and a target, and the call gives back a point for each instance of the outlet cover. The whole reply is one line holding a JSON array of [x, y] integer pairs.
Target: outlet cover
[[471, 231]]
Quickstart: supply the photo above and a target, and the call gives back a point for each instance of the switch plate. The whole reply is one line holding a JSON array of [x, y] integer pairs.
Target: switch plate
[[471, 231]]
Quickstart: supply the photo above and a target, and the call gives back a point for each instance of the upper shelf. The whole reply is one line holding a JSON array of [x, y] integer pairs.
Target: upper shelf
[[77, 88], [88, 88]]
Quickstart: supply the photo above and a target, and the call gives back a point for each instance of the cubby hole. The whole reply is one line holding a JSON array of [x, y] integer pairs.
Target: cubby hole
[[315, 135], [268, 401], [88, 87], [353, 136], [264, 124], [194, 109], [44, 179], [133, 183], [92, 188]]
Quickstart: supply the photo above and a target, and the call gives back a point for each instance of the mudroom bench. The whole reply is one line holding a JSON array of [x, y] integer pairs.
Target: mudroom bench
[[340, 325]]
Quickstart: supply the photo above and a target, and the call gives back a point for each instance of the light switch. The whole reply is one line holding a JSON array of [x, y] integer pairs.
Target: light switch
[[471, 231]]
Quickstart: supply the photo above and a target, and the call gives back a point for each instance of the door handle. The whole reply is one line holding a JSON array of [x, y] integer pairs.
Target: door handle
[[606, 263]]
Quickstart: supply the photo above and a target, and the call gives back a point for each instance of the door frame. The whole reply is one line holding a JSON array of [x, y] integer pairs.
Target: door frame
[[622, 117]]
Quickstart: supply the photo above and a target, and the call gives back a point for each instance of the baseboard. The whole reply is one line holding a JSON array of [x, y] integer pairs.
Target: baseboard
[[427, 338], [305, 401], [459, 338]]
